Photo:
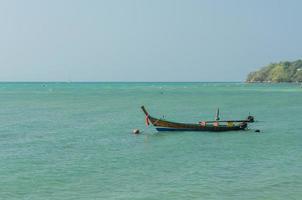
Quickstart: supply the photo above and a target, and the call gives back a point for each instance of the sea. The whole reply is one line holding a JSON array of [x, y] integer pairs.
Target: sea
[[71, 141]]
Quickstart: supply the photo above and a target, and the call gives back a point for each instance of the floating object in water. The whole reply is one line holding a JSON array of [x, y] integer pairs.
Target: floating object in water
[[217, 125], [136, 131], [251, 118], [257, 131]]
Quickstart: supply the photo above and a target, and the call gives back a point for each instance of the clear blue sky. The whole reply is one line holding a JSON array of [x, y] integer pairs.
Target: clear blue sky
[[155, 40]]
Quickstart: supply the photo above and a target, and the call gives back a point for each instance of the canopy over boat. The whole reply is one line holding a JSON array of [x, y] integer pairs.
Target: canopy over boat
[[217, 125]]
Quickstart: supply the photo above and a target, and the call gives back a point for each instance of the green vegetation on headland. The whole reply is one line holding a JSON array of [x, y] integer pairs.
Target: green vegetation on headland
[[278, 72]]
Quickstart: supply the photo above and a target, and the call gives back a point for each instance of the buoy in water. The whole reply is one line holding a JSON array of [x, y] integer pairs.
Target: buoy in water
[[257, 131], [136, 131]]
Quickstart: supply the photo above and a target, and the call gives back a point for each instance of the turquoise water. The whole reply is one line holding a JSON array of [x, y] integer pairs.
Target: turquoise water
[[74, 141]]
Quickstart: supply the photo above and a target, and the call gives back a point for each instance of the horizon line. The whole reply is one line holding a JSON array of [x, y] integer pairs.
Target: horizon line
[[122, 81]]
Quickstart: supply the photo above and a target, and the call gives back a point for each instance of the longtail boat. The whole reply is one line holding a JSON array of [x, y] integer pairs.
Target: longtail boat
[[216, 125]]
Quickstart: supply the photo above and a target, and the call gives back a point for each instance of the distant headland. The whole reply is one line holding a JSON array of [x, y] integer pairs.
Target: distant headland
[[278, 72]]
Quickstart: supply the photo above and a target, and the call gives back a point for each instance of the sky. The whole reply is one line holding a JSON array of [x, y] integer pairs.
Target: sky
[[145, 40]]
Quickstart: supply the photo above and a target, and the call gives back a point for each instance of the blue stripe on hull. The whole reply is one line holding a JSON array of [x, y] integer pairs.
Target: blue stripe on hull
[[187, 129]]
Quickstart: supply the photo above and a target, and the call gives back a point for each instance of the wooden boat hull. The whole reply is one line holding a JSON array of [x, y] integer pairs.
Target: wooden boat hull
[[164, 125]]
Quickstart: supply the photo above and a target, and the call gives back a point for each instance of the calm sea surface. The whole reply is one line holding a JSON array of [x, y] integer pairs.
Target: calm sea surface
[[73, 141]]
